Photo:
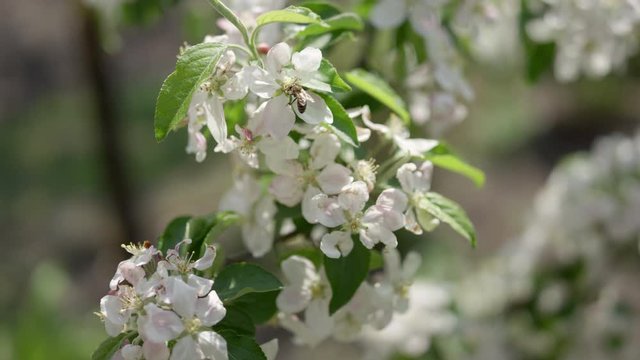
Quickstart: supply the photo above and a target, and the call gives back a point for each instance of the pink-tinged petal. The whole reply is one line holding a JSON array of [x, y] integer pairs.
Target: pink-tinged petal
[[186, 349], [210, 309], [425, 17], [316, 112], [111, 308], [130, 272], [159, 325], [310, 211], [406, 177], [112, 328], [182, 297], [131, 352], [354, 196], [389, 13], [276, 118], [155, 351], [213, 345], [336, 244], [287, 190], [333, 178], [411, 223], [206, 260], [307, 60], [329, 212], [197, 144], [377, 233], [285, 148], [277, 57], [393, 199], [202, 285]]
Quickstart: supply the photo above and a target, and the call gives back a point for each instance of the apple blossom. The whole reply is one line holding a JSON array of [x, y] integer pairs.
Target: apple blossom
[[415, 182], [257, 210]]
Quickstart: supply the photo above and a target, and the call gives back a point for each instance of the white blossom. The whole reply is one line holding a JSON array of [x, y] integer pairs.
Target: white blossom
[[415, 182], [284, 81], [257, 210]]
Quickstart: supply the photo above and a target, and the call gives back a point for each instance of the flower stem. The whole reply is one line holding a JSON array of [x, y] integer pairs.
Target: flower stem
[[228, 14]]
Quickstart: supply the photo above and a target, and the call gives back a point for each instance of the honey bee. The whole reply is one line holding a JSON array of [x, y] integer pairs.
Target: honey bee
[[299, 96]]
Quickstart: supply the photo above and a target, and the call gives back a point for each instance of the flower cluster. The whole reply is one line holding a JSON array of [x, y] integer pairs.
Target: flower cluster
[[568, 267], [313, 166], [160, 301], [592, 37], [412, 332], [304, 301], [437, 88]]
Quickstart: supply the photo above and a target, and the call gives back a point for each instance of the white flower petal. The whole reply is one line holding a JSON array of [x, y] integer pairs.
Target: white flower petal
[[388, 13], [213, 345], [261, 82], [159, 325], [277, 57], [276, 118], [333, 178], [186, 349], [206, 260], [287, 190], [324, 150], [316, 112], [336, 244], [210, 309], [307, 60], [393, 199], [354, 196], [181, 296], [155, 351]]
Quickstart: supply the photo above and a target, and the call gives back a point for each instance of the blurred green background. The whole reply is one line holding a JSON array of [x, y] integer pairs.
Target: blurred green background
[[66, 204]]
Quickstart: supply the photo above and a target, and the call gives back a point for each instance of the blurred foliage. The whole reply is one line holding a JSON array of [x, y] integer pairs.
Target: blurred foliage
[[45, 327]]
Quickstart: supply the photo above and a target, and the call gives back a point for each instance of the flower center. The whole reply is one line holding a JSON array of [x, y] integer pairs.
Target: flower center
[[192, 325]]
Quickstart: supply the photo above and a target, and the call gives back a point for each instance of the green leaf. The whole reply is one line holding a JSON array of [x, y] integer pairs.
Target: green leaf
[[377, 88], [450, 213], [377, 261], [242, 347], [109, 347], [194, 66], [236, 320], [203, 230], [442, 156], [342, 22], [346, 274], [322, 8], [341, 120], [291, 14], [173, 233], [216, 225], [239, 279], [459, 166], [329, 75], [539, 57], [260, 307]]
